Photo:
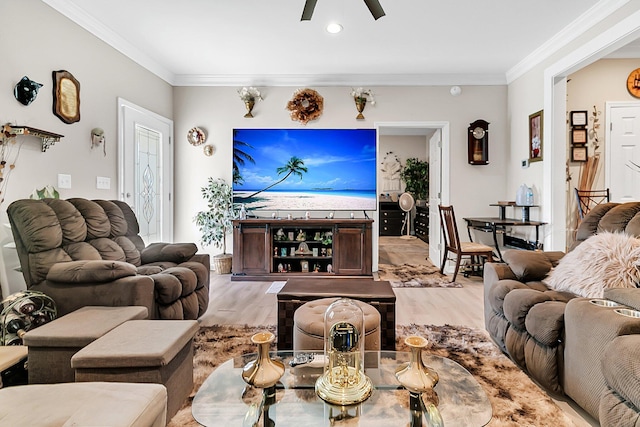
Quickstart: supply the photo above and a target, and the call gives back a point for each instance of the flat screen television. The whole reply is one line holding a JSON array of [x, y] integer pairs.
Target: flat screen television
[[305, 169]]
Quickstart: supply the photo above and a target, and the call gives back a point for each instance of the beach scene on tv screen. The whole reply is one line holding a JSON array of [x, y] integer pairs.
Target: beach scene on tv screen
[[304, 169]]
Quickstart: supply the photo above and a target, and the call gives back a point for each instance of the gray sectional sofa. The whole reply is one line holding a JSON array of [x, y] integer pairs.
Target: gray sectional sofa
[[572, 346]]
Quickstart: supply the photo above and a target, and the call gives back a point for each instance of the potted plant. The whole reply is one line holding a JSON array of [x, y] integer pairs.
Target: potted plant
[[215, 222], [415, 175]]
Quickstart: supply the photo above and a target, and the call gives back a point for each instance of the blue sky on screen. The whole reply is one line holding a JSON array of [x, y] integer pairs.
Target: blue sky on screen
[[336, 159]]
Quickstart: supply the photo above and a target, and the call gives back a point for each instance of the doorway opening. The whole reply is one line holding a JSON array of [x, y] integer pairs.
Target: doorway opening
[[433, 138], [554, 205]]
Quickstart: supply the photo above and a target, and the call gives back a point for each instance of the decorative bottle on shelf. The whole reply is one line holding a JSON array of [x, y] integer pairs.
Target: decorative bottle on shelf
[[243, 212]]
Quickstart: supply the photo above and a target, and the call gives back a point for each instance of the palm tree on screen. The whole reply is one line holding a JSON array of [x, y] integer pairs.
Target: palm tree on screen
[[295, 166], [240, 156]]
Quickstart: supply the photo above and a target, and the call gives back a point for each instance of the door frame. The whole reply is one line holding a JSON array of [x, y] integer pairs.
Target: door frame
[[168, 163], [554, 197], [443, 180]]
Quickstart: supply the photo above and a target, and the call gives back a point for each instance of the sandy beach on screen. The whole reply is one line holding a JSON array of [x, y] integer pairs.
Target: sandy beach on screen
[[274, 202]]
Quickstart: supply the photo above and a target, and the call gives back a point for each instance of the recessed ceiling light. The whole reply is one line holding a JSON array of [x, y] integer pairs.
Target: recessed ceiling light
[[334, 28]]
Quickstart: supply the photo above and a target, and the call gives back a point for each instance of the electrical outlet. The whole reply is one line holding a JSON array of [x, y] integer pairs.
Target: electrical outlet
[[103, 183], [64, 180]]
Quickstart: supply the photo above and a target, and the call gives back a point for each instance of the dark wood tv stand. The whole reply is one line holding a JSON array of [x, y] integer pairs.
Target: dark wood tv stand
[[278, 249]]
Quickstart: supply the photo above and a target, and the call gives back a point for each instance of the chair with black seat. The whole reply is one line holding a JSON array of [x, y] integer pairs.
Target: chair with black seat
[[452, 243], [587, 199]]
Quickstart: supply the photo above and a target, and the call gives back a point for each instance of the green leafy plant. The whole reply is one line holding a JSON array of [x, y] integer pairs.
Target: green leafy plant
[[47, 192], [215, 222], [415, 175]]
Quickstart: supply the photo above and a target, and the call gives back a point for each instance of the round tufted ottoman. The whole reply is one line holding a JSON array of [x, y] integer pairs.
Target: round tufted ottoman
[[308, 325]]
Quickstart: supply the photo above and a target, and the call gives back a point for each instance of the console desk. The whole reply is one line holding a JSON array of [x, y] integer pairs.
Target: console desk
[[495, 225]]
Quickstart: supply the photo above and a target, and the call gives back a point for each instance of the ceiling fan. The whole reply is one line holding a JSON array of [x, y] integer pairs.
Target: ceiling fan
[[373, 5]]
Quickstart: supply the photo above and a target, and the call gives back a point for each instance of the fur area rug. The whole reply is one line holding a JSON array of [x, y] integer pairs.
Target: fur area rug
[[515, 399], [415, 276], [605, 260]]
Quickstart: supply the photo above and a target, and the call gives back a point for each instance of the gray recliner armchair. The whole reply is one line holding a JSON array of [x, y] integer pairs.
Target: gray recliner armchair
[[88, 252]]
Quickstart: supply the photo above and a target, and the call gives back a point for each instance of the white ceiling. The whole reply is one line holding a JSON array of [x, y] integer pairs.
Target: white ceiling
[[263, 42]]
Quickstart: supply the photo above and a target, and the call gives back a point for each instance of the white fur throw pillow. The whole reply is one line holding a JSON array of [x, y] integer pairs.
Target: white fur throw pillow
[[605, 260]]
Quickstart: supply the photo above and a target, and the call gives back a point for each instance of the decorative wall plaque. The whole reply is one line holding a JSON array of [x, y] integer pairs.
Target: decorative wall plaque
[[66, 96]]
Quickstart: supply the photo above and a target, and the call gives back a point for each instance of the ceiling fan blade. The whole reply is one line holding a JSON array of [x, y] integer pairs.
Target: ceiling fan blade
[[375, 8], [307, 12]]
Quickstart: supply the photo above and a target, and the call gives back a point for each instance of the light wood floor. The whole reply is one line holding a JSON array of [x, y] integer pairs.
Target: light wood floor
[[247, 302]]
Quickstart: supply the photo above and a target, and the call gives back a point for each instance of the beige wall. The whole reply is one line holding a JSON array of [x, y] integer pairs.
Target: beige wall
[[593, 86], [218, 110], [35, 40], [404, 147], [526, 95]]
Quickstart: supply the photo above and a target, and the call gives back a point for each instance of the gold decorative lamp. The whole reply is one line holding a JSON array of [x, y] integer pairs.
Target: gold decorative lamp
[[344, 381]]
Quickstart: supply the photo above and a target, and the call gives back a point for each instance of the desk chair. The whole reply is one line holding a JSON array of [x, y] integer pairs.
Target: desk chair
[[452, 243], [587, 199]]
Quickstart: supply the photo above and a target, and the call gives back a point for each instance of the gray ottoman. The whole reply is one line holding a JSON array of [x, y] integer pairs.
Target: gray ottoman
[[308, 325], [52, 345], [143, 351], [84, 404]]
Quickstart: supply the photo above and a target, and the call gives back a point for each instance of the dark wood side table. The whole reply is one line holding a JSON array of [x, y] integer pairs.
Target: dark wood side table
[[296, 292]]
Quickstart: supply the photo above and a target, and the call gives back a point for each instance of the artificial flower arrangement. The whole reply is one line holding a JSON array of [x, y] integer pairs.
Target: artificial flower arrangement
[[366, 94], [249, 94]]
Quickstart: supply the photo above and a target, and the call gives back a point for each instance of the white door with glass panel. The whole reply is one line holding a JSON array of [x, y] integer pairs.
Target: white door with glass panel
[[623, 151], [145, 169]]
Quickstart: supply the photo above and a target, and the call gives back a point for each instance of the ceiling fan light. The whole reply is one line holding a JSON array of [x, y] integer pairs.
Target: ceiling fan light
[[334, 28]]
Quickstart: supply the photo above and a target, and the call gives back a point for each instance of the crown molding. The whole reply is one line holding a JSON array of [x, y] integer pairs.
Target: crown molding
[[587, 20], [340, 80], [579, 26], [104, 33]]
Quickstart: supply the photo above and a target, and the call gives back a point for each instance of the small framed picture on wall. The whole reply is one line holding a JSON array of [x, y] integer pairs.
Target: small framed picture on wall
[[535, 137], [578, 136], [579, 118], [579, 153]]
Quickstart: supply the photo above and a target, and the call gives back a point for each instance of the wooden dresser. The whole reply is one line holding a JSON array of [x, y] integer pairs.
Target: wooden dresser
[[391, 219], [421, 223]]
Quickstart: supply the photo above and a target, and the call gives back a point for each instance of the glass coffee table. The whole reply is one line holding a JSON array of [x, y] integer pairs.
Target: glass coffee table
[[224, 399]]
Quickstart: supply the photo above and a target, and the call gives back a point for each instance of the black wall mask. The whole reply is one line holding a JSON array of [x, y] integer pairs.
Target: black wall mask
[[26, 90]]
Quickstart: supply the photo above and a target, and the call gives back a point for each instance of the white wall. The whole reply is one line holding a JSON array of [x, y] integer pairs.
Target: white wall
[[35, 40], [218, 110]]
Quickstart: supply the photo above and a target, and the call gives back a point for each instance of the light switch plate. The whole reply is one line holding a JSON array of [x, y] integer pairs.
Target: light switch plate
[[64, 180], [103, 183]]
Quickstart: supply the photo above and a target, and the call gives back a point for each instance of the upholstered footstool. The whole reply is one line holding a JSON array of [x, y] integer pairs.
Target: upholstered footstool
[[143, 351], [84, 404], [51, 345], [308, 327]]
